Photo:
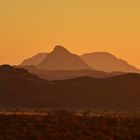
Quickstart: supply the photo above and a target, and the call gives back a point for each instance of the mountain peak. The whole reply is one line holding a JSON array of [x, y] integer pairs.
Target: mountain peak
[[60, 48], [61, 59]]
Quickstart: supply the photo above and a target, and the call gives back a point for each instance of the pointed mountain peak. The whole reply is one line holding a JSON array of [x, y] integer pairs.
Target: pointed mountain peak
[[60, 49], [61, 59]]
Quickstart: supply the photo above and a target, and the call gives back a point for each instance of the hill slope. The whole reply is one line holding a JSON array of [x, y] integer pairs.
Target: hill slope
[[35, 60], [18, 88]]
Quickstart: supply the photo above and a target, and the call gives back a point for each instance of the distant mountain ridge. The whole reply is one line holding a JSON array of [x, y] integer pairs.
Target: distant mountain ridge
[[107, 62], [61, 59], [67, 74]]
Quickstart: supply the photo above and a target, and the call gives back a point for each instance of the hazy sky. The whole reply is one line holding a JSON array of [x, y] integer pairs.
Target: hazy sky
[[31, 26]]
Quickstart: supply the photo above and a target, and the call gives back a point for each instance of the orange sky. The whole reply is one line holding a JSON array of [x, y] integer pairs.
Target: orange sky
[[31, 26]]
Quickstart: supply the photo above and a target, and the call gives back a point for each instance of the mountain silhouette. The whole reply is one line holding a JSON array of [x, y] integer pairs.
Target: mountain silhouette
[[35, 60], [67, 74], [101, 61], [61, 59], [9, 72], [107, 62], [19, 88]]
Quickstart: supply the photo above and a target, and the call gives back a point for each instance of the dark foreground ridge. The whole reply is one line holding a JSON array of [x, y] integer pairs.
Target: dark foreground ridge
[[34, 60], [19, 88]]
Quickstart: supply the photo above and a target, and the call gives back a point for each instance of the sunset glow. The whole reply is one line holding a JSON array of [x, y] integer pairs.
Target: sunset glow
[[28, 27]]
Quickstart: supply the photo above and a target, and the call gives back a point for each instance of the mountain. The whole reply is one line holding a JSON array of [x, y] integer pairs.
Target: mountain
[[19, 88], [9, 72], [107, 62], [119, 92], [67, 74], [62, 59], [35, 60]]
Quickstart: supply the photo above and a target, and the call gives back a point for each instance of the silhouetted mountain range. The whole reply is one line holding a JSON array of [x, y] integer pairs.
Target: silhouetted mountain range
[[19, 88], [107, 62], [67, 74], [62, 59]]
